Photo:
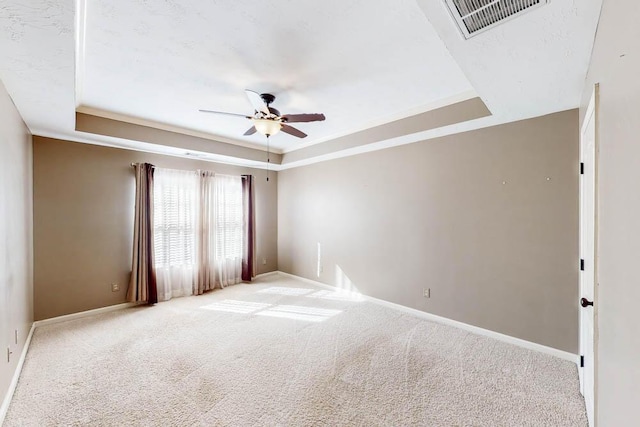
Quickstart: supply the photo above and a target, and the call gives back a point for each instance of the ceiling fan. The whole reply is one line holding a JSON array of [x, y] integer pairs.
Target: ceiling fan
[[267, 120]]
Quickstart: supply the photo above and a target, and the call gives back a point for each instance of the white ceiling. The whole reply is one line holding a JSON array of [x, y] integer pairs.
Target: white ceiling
[[163, 61], [532, 65], [361, 63]]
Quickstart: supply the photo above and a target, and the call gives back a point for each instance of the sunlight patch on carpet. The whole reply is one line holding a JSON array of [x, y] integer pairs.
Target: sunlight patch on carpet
[[235, 306], [298, 312], [337, 296], [285, 291]]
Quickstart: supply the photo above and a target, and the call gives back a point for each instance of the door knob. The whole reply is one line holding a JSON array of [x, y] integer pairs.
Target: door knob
[[585, 302]]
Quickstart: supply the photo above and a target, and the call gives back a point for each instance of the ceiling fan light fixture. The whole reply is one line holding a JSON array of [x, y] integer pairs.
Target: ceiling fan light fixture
[[267, 127]]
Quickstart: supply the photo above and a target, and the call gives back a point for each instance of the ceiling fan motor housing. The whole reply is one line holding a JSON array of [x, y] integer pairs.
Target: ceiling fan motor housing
[[274, 111]]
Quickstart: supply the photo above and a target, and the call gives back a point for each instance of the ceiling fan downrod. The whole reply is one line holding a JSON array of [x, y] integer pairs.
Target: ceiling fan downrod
[[267, 98]]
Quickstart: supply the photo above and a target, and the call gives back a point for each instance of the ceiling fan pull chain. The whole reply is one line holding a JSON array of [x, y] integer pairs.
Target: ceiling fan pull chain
[[268, 158]]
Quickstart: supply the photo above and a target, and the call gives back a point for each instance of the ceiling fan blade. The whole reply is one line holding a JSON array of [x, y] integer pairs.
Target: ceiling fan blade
[[299, 118], [293, 131], [226, 114], [251, 131], [256, 100]]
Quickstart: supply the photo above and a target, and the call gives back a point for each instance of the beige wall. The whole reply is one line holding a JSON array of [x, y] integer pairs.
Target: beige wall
[[615, 65], [16, 247], [437, 215], [83, 222]]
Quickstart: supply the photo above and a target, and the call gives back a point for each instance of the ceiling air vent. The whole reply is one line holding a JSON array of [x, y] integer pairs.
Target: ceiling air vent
[[476, 16]]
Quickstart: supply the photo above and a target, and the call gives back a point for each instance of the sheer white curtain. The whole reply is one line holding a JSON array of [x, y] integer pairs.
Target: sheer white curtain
[[175, 225], [228, 227], [206, 236], [198, 225]]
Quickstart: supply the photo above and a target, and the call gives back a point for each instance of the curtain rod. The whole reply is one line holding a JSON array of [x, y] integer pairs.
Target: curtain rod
[[153, 166]]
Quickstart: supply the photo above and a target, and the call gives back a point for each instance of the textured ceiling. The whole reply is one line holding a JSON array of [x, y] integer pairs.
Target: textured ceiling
[[532, 65], [361, 63]]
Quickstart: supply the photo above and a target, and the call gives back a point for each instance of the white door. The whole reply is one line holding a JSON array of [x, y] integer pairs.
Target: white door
[[587, 295]]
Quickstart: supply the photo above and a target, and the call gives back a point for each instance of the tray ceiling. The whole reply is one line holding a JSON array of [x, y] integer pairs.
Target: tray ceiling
[[360, 63], [365, 64]]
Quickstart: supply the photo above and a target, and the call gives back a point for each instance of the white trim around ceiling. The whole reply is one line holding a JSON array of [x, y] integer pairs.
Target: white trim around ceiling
[[463, 96], [171, 128], [480, 123], [145, 147]]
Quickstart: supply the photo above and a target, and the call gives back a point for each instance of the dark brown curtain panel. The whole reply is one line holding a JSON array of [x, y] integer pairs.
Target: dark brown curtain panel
[[248, 235], [142, 287]]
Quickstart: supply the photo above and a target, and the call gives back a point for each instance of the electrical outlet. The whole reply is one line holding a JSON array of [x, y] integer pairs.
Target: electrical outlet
[[115, 287], [427, 293], [264, 261]]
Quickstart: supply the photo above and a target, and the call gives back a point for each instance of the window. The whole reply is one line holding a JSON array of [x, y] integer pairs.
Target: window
[[198, 231]]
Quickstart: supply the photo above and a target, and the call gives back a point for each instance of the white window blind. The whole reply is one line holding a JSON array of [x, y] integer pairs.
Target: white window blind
[[228, 214], [175, 204]]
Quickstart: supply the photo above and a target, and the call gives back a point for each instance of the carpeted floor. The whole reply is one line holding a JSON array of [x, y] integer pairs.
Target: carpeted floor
[[282, 352]]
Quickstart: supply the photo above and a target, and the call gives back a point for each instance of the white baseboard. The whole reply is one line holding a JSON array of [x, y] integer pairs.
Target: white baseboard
[[81, 314], [450, 322], [269, 273], [16, 376]]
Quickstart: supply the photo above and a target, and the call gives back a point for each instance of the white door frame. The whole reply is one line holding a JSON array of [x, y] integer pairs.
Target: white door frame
[[588, 254]]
